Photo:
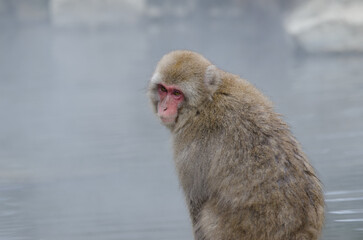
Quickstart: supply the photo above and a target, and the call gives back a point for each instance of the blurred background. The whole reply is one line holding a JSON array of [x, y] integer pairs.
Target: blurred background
[[83, 157]]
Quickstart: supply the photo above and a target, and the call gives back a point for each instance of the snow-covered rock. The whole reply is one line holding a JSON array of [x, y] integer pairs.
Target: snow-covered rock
[[328, 26]]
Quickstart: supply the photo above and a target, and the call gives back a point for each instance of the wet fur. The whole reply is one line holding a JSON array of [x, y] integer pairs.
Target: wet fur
[[243, 174]]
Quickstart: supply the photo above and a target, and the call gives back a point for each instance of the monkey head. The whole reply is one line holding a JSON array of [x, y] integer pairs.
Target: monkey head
[[181, 83]]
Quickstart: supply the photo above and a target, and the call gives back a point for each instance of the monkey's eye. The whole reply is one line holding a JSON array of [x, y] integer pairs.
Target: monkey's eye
[[177, 93], [162, 88]]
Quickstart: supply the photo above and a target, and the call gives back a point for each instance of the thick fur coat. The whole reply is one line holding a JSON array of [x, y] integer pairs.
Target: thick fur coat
[[243, 173]]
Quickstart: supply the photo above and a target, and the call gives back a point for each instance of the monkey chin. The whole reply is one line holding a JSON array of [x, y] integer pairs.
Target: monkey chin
[[167, 121]]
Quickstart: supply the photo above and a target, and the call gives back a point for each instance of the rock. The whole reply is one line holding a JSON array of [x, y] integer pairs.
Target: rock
[[93, 13], [334, 26]]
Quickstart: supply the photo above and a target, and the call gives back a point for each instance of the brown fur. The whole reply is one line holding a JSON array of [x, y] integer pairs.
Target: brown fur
[[243, 174]]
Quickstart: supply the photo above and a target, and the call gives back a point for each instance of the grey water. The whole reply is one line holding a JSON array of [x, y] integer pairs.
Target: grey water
[[83, 157]]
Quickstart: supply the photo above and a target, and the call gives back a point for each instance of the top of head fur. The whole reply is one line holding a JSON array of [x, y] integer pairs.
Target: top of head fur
[[177, 66]]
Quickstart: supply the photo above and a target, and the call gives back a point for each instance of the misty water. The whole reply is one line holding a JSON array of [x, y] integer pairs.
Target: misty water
[[83, 157]]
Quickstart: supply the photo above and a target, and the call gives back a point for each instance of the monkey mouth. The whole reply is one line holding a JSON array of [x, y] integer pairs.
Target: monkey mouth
[[167, 120]]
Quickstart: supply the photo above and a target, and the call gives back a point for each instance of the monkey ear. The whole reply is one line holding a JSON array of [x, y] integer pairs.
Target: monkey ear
[[212, 79]]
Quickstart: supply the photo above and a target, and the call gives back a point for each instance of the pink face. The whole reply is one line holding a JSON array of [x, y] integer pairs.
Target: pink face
[[170, 99]]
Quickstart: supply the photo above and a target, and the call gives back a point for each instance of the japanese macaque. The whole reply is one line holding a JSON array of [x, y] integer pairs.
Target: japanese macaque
[[243, 174]]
